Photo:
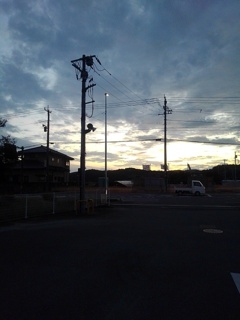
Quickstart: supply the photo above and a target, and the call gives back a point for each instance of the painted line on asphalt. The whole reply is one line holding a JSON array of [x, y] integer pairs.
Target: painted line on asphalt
[[236, 279], [213, 231]]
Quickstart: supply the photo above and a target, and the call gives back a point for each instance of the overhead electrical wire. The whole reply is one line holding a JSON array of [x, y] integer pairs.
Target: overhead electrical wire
[[205, 142], [122, 104], [132, 92], [153, 140]]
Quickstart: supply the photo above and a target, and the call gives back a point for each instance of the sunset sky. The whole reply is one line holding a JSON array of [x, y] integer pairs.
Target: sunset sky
[[187, 50]]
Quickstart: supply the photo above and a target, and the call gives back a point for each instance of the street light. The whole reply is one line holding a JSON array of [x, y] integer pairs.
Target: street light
[[106, 178], [235, 166]]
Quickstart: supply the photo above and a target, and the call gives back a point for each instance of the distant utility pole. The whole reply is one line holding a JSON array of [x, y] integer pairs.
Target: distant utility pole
[[166, 111], [235, 166], [224, 167], [47, 129], [80, 66]]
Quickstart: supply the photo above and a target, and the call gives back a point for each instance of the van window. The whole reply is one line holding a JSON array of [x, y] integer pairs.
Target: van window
[[197, 184]]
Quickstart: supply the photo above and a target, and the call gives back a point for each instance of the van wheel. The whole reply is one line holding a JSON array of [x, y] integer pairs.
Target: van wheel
[[197, 193]]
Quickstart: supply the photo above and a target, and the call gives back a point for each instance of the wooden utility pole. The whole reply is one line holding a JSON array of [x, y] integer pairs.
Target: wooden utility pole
[[166, 111], [47, 128], [80, 66]]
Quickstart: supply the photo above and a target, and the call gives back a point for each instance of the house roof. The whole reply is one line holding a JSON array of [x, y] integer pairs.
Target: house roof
[[43, 149]]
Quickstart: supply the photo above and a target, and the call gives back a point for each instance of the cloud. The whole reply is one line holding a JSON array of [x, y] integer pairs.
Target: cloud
[[188, 51]]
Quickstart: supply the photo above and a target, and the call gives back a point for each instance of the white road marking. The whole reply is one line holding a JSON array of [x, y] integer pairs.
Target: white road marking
[[236, 279], [212, 230]]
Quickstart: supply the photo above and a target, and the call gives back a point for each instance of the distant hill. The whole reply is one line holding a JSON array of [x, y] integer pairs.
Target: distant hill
[[132, 174], [138, 176]]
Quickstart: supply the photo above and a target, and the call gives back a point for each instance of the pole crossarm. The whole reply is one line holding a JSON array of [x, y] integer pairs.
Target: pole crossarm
[[77, 67], [91, 86], [86, 58]]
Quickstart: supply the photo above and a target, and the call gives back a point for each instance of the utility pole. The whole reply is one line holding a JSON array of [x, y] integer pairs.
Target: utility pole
[[106, 176], [22, 178], [84, 76], [80, 67], [166, 111], [47, 129], [224, 167], [235, 166]]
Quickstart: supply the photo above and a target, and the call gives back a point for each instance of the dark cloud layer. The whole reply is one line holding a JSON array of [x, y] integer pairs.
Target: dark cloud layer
[[184, 49]]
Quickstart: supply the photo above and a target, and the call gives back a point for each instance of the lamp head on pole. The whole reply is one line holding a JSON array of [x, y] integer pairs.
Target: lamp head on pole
[[90, 127]]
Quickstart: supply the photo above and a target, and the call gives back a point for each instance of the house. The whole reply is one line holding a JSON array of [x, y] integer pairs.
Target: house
[[41, 169]]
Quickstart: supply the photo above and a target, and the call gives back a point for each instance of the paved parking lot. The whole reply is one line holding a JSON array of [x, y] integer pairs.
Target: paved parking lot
[[173, 259]]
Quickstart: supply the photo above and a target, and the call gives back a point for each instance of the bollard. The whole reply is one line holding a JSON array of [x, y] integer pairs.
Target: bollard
[[90, 205]]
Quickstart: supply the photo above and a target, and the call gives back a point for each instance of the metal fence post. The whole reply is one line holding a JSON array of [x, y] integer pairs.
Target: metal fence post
[[53, 203], [26, 207], [75, 203]]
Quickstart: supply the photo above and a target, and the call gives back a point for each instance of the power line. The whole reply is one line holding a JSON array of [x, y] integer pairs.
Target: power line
[[206, 142], [113, 141], [121, 83], [152, 140], [122, 104]]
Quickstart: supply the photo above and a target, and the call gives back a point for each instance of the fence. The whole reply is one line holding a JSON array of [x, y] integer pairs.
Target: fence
[[24, 206]]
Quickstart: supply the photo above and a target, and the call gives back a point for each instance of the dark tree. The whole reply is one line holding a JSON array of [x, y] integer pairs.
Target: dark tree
[[8, 150]]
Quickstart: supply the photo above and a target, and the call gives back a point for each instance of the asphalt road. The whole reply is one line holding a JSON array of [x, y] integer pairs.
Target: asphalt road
[[174, 258]]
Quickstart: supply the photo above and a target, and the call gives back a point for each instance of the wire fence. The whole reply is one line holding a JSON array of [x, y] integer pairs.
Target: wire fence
[[25, 206]]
